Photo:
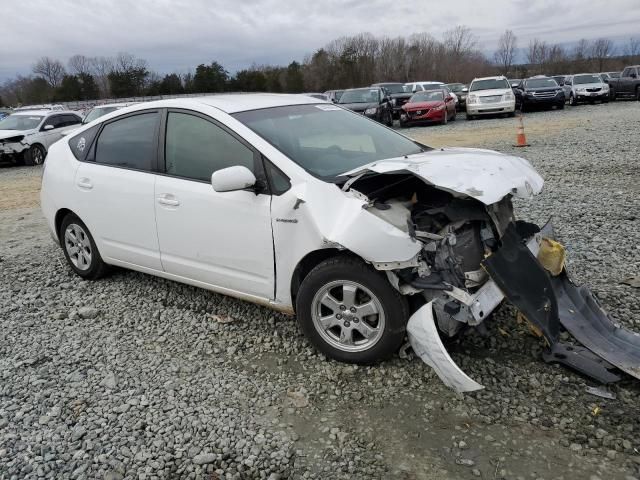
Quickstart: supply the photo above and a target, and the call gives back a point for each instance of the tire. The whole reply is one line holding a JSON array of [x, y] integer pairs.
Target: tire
[[342, 339], [389, 122], [638, 94], [35, 155], [572, 101], [80, 249], [560, 106]]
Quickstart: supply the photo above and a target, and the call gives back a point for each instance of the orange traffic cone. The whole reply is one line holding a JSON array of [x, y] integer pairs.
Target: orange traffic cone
[[521, 139]]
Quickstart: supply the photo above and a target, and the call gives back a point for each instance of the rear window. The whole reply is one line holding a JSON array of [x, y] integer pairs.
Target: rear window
[[541, 83]]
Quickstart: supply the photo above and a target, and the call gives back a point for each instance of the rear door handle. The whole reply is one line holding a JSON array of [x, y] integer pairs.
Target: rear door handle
[[85, 184], [168, 200]]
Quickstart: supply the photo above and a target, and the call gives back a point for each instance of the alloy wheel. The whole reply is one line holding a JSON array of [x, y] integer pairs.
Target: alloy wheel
[[348, 316], [78, 246]]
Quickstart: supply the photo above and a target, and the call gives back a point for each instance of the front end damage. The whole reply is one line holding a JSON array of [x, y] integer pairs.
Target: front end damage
[[473, 254], [12, 148]]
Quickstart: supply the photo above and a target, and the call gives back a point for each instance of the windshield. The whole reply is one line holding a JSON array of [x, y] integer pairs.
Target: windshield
[[20, 122], [582, 79], [429, 96], [327, 140], [394, 87], [541, 83], [490, 84], [455, 87], [97, 113], [614, 74], [360, 95]]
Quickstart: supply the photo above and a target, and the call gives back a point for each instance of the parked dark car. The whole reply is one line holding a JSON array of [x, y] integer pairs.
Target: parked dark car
[[628, 85], [461, 91], [430, 106], [372, 102], [334, 95], [539, 91], [398, 94]]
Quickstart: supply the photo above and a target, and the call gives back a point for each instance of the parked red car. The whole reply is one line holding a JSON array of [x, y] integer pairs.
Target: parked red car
[[428, 107]]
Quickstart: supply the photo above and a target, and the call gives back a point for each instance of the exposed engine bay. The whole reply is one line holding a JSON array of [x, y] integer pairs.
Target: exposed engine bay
[[474, 255]]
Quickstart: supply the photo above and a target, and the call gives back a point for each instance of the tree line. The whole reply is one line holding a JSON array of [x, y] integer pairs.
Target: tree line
[[346, 62]]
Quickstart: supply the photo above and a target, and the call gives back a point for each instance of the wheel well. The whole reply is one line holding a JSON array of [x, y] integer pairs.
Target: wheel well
[[308, 263], [60, 214]]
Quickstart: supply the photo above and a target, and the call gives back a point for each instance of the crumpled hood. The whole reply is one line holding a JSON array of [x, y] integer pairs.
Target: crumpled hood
[[485, 175], [11, 133]]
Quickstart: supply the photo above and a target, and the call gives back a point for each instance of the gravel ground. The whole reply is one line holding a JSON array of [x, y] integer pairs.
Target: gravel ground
[[138, 377]]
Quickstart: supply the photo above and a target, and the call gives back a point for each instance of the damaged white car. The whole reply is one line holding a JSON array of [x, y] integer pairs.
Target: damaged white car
[[314, 210], [26, 135]]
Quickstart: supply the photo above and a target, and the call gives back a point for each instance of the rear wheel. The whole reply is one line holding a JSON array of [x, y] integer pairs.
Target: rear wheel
[[35, 155], [638, 94], [80, 249], [350, 312]]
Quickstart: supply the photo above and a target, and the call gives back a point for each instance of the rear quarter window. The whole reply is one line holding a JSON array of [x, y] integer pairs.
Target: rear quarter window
[[80, 144]]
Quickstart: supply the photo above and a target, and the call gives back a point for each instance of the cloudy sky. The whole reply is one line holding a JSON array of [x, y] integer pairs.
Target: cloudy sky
[[176, 35]]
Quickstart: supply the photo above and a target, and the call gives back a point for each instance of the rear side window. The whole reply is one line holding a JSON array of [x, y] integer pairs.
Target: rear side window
[[195, 148], [130, 142], [71, 120], [81, 143]]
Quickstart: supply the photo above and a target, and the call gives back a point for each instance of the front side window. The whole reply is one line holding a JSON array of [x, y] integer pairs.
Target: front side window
[[130, 142], [327, 140], [195, 148], [489, 84]]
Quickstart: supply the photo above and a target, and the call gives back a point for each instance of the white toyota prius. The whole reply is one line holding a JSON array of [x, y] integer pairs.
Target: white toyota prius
[[304, 207]]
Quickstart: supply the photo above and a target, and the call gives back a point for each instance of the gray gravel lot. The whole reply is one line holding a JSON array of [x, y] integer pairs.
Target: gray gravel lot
[[138, 377]]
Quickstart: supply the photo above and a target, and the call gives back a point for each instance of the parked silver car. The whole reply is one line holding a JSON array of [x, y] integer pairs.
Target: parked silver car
[[25, 136], [585, 87]]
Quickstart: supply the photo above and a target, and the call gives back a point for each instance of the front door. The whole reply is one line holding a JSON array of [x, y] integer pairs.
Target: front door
[[221, 239]]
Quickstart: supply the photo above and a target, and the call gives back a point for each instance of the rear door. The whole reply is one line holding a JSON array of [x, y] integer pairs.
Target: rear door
[[223, 239], [114, 188]]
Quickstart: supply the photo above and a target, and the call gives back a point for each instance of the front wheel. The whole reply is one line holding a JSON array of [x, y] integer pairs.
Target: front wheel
[[572, 100], [35, 155], [350, 312], [80, 249], [389, 122]]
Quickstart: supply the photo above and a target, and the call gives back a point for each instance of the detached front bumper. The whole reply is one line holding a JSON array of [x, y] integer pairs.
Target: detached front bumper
[[550, 302]]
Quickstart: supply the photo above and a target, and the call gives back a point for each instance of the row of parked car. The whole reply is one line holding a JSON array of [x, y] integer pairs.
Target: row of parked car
[[27, 133], [437, 102]]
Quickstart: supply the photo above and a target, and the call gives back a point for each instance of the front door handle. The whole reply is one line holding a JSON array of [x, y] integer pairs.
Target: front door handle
[[85, 183], [168, 200]]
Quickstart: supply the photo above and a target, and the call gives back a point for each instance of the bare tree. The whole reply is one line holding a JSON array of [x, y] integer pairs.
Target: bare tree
[[101, 67], [80, 65], [581, 55], [459, 44], [632, 50], [601, 49], [537, 54], [50, 69], [506, 52]]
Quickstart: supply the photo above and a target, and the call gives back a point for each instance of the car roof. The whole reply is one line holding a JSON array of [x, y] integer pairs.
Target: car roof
[[117, 105], [233, 103], [43, 113]]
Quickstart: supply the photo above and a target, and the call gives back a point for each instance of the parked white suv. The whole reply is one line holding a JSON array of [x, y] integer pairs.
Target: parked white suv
[[25, 136], [304, 207], [490, 96]]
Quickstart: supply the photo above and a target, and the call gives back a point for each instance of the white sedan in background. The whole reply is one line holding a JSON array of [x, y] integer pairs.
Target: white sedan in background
[[298, 205]]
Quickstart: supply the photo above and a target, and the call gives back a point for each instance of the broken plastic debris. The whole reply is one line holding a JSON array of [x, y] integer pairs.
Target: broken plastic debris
[[552, 256], [601, 392], [426, 343], [223, 318], [632, 281]]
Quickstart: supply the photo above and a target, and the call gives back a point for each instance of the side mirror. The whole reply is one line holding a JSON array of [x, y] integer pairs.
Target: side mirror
[[48, 127], [232, 178], [633, 75]]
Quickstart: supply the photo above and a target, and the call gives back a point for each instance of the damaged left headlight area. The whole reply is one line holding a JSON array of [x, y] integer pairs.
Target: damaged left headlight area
[[455, 235], [12, 149]]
